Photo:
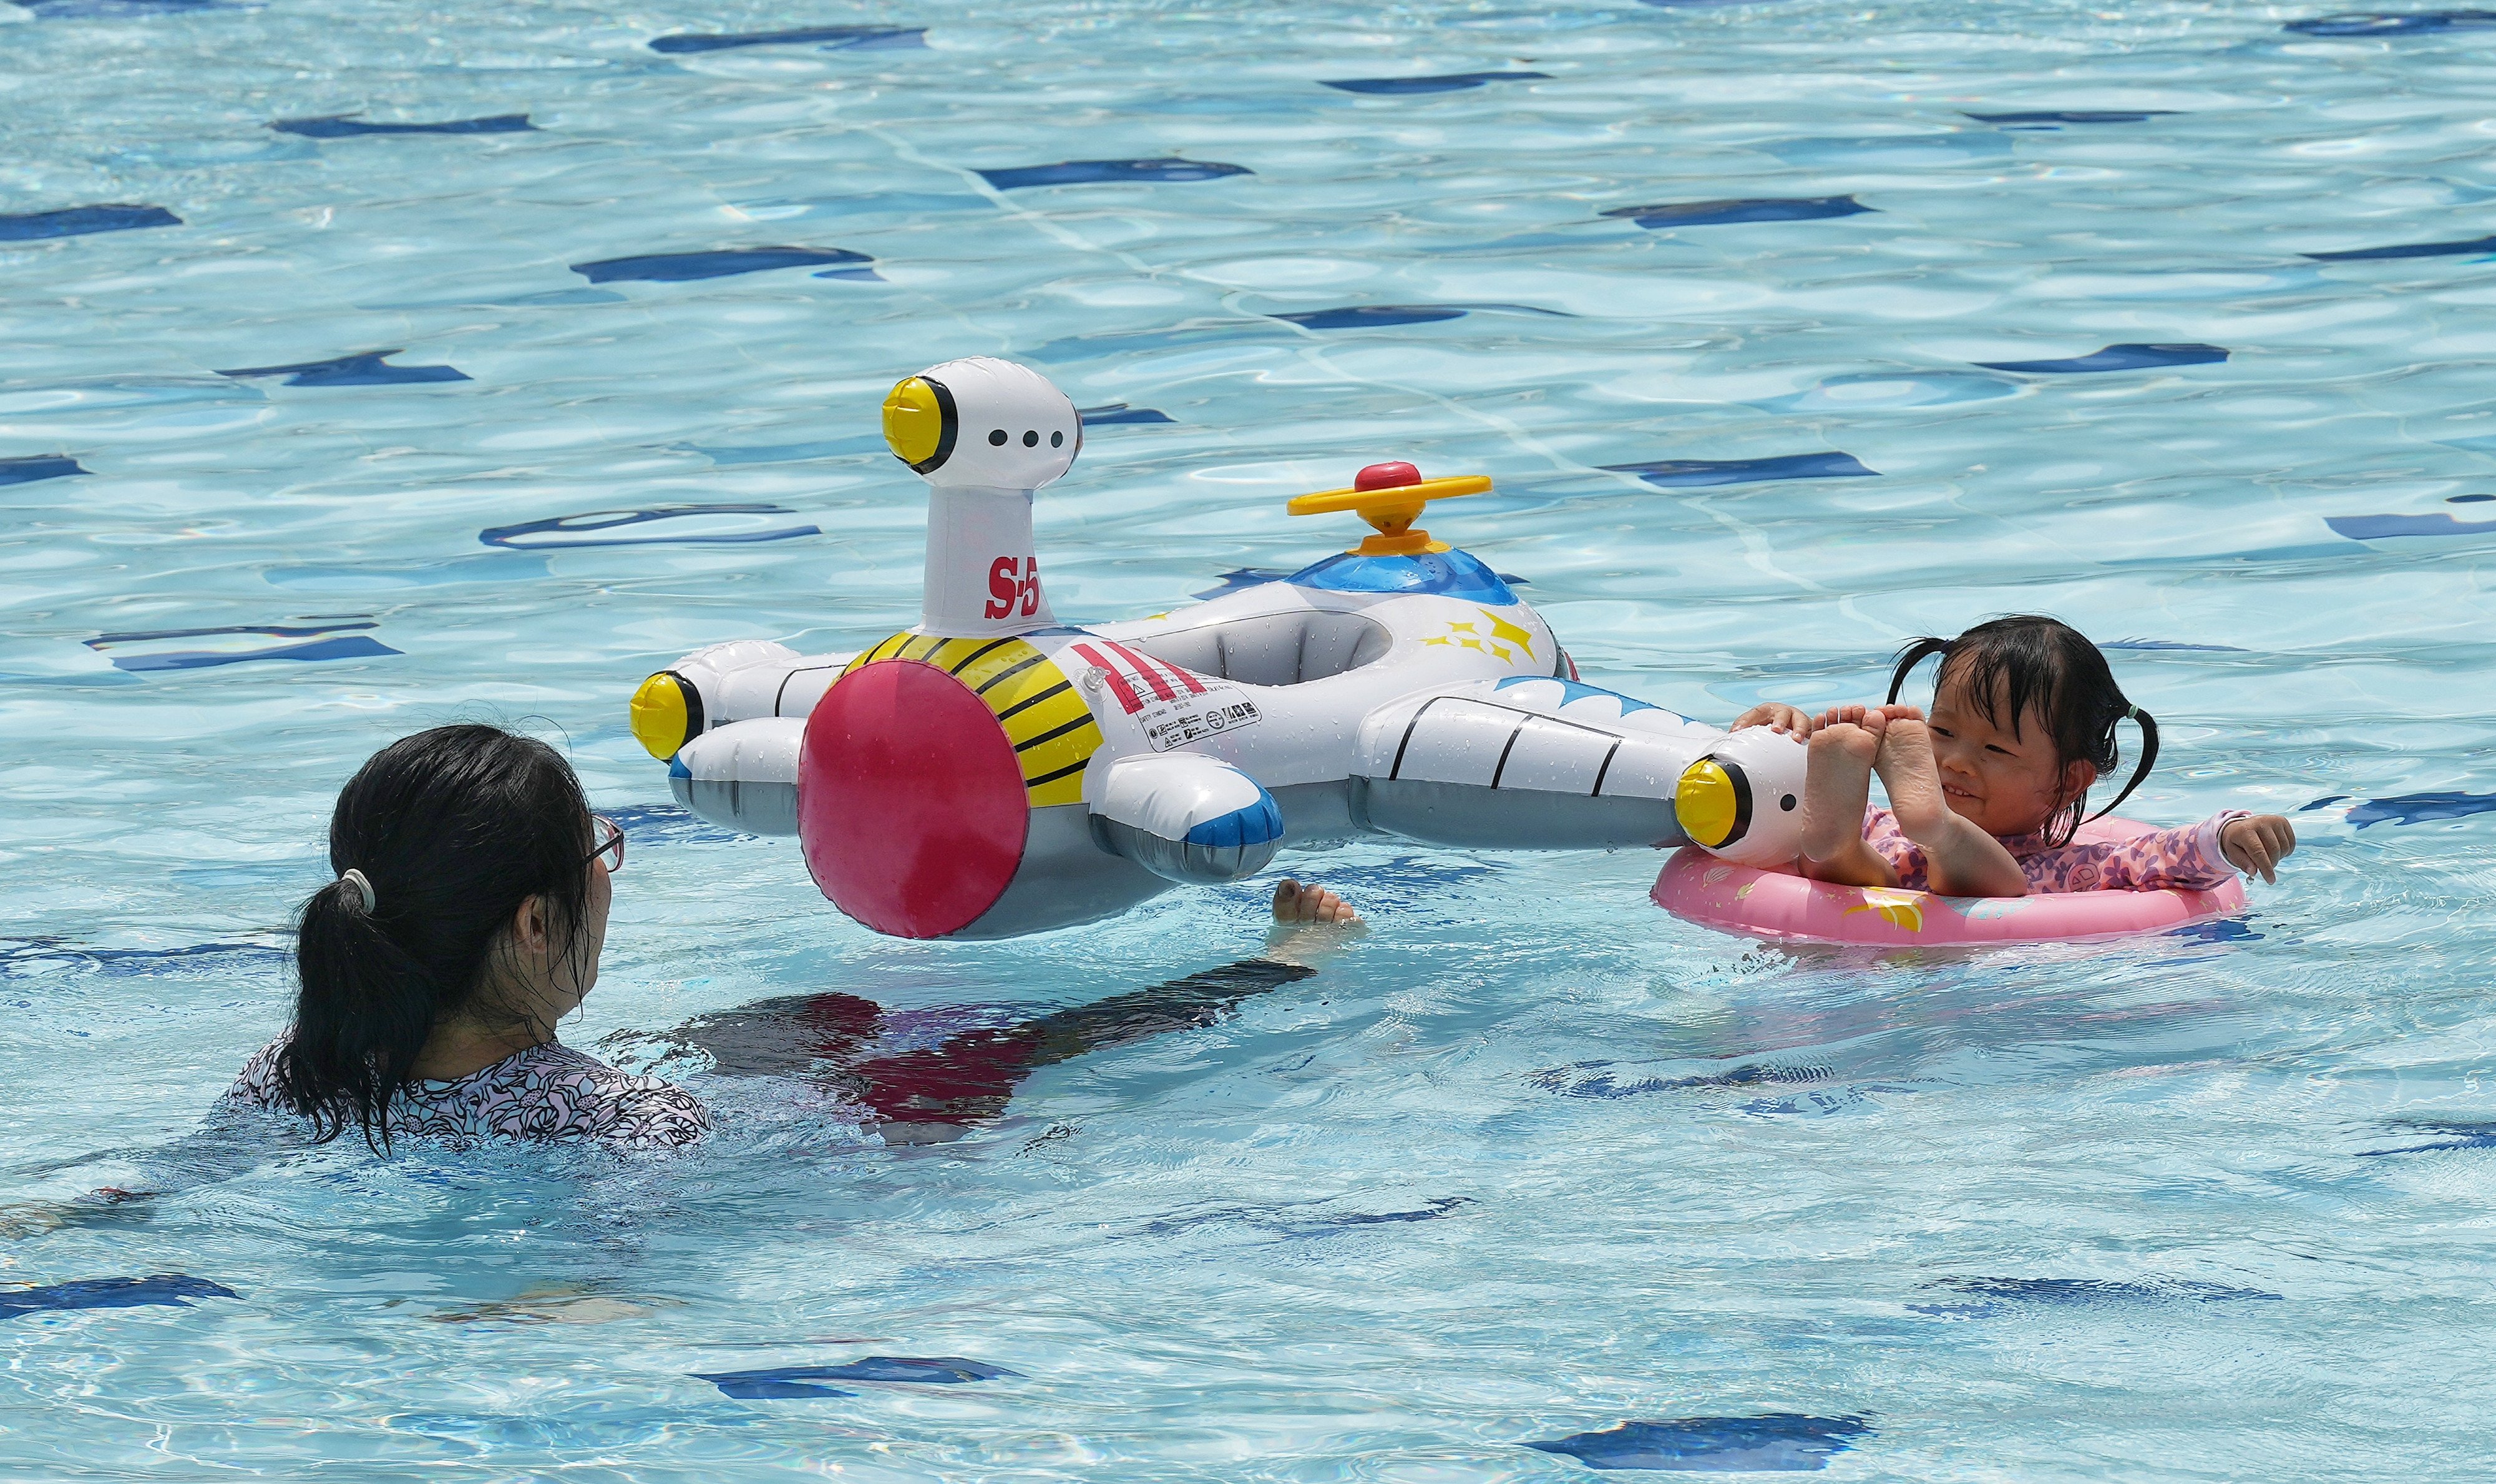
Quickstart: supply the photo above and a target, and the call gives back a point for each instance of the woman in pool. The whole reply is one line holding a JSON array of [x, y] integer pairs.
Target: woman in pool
[[1986, 791], [467, 919]]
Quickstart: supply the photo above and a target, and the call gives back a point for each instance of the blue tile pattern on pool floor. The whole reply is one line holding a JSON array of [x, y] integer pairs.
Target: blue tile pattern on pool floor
[[2375, 528], [2458, 1135], [26, 468], [176, 1289], [172, 649], [1115, 412], [1108, 173], [2391, 22], [2083, 1291], [365, 368], [346, 125], [701, 525], [106, 10], [1703, 473], [1773, 1443], [81, 221], [2116, 357], [2461, 247], [2053, 116], [802, 1381], [1721, 213], [716, 263], [1444, 82], [829, 38], [1381, 315], [2418, 808]]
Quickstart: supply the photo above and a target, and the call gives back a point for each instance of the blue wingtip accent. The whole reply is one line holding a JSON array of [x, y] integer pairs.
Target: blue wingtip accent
[[677, 767], [1572, 692], [1251, 824]]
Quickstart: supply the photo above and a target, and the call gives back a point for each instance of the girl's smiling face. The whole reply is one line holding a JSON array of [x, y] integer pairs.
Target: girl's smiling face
[[2001, 774]]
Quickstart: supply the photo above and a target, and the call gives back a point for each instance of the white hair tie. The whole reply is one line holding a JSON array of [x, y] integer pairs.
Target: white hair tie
[[363, 887]]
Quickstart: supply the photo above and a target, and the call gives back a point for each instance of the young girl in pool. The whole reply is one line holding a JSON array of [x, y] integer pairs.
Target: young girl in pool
[[1986, 791], [467, 919]]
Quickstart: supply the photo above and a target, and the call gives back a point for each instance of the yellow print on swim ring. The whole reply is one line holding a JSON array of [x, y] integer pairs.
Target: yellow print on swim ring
[[1898, 909]]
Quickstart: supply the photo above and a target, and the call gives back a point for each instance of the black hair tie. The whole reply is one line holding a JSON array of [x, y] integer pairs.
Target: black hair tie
[[1909, 658], [2148, 757]]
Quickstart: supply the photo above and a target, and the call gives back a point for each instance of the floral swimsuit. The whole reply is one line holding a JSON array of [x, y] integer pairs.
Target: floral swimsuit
[[550, 1093], [2188, 858]]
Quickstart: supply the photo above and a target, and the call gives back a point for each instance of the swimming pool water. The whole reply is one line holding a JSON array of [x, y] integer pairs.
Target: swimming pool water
[[368, 367]]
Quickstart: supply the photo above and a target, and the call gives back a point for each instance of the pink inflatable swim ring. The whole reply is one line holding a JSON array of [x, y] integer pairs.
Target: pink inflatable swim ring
[[1701, 888]]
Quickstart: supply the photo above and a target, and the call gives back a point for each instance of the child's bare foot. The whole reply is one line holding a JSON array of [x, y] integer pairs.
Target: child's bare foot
[[1837, 782], [1964, 860], [1913, 780], [1837, 785]]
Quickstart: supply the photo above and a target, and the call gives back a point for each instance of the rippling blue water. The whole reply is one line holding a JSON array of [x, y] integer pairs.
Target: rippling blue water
[[368, 367]]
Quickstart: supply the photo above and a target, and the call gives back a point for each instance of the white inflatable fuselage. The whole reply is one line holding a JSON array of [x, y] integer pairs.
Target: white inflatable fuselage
[[991, 772]]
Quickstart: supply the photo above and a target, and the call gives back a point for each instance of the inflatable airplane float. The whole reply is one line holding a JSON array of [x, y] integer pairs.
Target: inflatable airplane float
[[993, 772]]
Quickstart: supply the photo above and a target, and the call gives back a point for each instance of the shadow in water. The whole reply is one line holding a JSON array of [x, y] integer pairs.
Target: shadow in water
[[933, 1094]]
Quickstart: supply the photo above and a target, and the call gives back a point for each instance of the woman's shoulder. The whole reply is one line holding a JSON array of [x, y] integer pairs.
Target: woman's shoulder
[[257, 1086], [552, 1091], [633, 1109]]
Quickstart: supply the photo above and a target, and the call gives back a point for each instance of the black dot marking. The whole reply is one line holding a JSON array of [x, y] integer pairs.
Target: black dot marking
[[1057, 440], [1787, 803], [998, 438], [1031, 439]]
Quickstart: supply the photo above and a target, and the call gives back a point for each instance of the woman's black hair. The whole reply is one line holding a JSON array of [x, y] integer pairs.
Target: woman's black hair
[[2029, 660], [454, 829]]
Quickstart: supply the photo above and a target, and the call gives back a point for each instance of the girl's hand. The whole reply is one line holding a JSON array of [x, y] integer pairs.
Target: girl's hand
[[2257, 844], [1776, 715]]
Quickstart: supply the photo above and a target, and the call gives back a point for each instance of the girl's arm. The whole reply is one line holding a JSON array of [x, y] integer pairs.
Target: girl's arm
[[2189, 858]]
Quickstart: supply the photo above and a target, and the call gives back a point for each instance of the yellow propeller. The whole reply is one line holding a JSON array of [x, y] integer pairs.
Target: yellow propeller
[[1390, 497]]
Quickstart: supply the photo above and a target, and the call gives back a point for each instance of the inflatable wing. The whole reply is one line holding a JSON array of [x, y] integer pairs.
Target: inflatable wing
[[992, 772]]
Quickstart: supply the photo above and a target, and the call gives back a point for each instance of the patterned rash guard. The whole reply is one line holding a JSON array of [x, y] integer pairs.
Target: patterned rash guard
[[2187, 858], [551, 1094]]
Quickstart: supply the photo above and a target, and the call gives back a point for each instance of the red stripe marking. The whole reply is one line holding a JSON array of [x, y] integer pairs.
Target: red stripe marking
[[1194, 686], [1119, 686], [1152, 677]]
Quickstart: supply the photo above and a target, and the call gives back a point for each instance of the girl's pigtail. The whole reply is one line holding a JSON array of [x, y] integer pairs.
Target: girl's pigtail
[[2148, 755], [1909, 658]]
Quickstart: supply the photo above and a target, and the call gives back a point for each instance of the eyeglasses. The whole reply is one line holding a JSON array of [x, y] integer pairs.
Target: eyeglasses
[[610, 836]]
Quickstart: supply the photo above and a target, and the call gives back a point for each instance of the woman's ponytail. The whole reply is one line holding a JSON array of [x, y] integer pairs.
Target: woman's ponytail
[[363, 1012], [436, 842]]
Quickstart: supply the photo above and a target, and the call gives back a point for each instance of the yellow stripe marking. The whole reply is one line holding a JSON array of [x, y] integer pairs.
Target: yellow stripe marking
[[1006, 678]]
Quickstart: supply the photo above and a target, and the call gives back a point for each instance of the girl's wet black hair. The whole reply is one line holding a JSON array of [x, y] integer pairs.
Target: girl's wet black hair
[[2029, 660], [454, 828]]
